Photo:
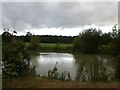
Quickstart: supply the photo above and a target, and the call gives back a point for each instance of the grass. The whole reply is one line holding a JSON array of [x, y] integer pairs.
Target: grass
[[52, 44], [40, 82], [54, 47]]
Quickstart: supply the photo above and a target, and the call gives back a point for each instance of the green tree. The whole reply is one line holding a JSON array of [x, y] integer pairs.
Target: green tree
[[34, 43], [15, 58], [115, 48], [6, 36], [28, 36], [88, 41], [105, 43]]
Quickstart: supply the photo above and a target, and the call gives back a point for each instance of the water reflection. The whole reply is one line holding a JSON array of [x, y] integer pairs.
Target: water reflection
[[81, 67], [46, 61]]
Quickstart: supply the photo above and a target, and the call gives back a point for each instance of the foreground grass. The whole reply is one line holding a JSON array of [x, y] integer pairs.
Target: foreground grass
[[40, 82]]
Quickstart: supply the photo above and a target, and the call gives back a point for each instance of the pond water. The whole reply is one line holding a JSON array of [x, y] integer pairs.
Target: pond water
[[80, 66]]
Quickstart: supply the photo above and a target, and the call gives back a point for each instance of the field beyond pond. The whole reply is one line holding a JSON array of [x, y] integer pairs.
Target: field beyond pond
[[55, 47]]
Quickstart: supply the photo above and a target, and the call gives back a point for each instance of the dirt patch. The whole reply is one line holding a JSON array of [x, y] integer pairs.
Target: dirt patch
[[40, 82]]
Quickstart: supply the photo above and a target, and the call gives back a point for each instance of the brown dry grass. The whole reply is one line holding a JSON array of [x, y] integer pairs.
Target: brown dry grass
[[31, 82]]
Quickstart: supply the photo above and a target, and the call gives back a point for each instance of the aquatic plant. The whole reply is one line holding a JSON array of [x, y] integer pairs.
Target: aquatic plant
[[53, 74]]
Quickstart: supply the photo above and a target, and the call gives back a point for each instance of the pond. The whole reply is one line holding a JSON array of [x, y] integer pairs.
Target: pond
[[81, 67]]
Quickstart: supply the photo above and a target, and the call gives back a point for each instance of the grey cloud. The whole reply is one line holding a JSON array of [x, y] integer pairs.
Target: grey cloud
[[55, 14], [60, 1]]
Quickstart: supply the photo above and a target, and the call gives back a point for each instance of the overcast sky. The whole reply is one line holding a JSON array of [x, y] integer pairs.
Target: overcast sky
[[58, 18]]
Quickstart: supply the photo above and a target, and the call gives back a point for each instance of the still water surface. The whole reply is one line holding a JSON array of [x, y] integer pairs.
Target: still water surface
[[71, 63]]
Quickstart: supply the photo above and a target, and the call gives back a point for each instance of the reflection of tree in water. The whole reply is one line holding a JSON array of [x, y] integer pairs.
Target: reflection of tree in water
[[93, 68]]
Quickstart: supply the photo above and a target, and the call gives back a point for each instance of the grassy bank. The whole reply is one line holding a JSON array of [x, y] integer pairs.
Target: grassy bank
[[53, 47], [41, 82]]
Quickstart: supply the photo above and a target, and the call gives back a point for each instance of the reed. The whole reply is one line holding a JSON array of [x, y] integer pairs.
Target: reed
[[53, 74]]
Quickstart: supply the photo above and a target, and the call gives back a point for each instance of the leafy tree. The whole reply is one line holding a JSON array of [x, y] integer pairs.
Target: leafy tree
[[116, 42], [88, 41], [28, 36], [106, 38], [115, 48], [16, 60], [105, 46], [6, 36], [34, 43]]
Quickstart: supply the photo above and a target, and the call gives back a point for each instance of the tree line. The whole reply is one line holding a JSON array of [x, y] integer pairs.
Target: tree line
[[48, 38]]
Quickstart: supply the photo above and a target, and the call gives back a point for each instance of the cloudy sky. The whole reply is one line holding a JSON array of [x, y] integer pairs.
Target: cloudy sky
[[58, 18]]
